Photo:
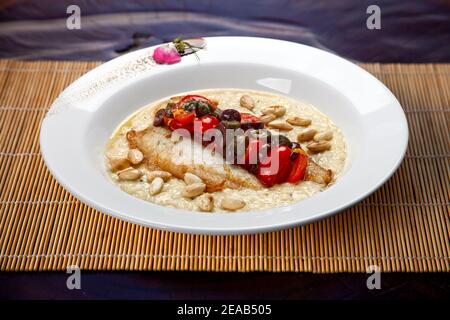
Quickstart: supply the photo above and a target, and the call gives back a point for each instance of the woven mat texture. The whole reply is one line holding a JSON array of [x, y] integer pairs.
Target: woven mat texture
[[404, 226]]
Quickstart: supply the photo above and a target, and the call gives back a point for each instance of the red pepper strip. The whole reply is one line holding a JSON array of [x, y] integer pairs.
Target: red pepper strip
[[299, 168]]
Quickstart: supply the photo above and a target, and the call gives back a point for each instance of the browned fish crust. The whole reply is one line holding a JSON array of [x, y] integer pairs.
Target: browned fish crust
[[157, 147]]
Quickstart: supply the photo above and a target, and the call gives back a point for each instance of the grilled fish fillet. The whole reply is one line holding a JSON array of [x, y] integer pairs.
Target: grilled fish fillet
[[162, 151]]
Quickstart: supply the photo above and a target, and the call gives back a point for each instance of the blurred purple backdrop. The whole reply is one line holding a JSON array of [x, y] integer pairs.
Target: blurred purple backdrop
[[411, 31]]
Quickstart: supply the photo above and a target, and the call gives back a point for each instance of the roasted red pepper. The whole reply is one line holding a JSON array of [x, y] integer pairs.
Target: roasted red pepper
[[299, 168]]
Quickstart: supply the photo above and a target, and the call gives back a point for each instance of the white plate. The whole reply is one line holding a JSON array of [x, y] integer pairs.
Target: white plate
[[75, 131]]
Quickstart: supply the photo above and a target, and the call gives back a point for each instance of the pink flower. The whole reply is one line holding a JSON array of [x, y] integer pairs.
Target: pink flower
[[166, 54]]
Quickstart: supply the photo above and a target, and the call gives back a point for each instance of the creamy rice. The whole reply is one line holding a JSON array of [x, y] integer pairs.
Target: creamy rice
[[278, 195]]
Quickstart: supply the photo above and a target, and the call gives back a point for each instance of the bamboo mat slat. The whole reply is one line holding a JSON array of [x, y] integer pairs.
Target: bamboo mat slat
[[404, 226]]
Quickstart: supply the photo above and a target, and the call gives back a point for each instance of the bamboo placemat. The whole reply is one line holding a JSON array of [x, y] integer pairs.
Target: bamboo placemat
[[404, 226]]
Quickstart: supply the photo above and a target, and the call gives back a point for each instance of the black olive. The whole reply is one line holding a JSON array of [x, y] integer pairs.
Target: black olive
[[280, 140], [259, 134], [294, 155], [235, 148], [221, 143], [253, 168], [241, 146], [159, 117], [169, 109], [230, 115], [224, 130], [251, 125], [231, 124], [216, 113]]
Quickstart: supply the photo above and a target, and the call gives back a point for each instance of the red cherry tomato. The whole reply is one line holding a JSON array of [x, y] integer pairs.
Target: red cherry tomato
[[276, 167], [298, 168], [193, 97], [183, 116], [205, 123], [190, 127], [175, 124], [267, 178]]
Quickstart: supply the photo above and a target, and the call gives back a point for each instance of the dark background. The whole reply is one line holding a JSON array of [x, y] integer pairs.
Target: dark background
[[411, 32], [223, 286]]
